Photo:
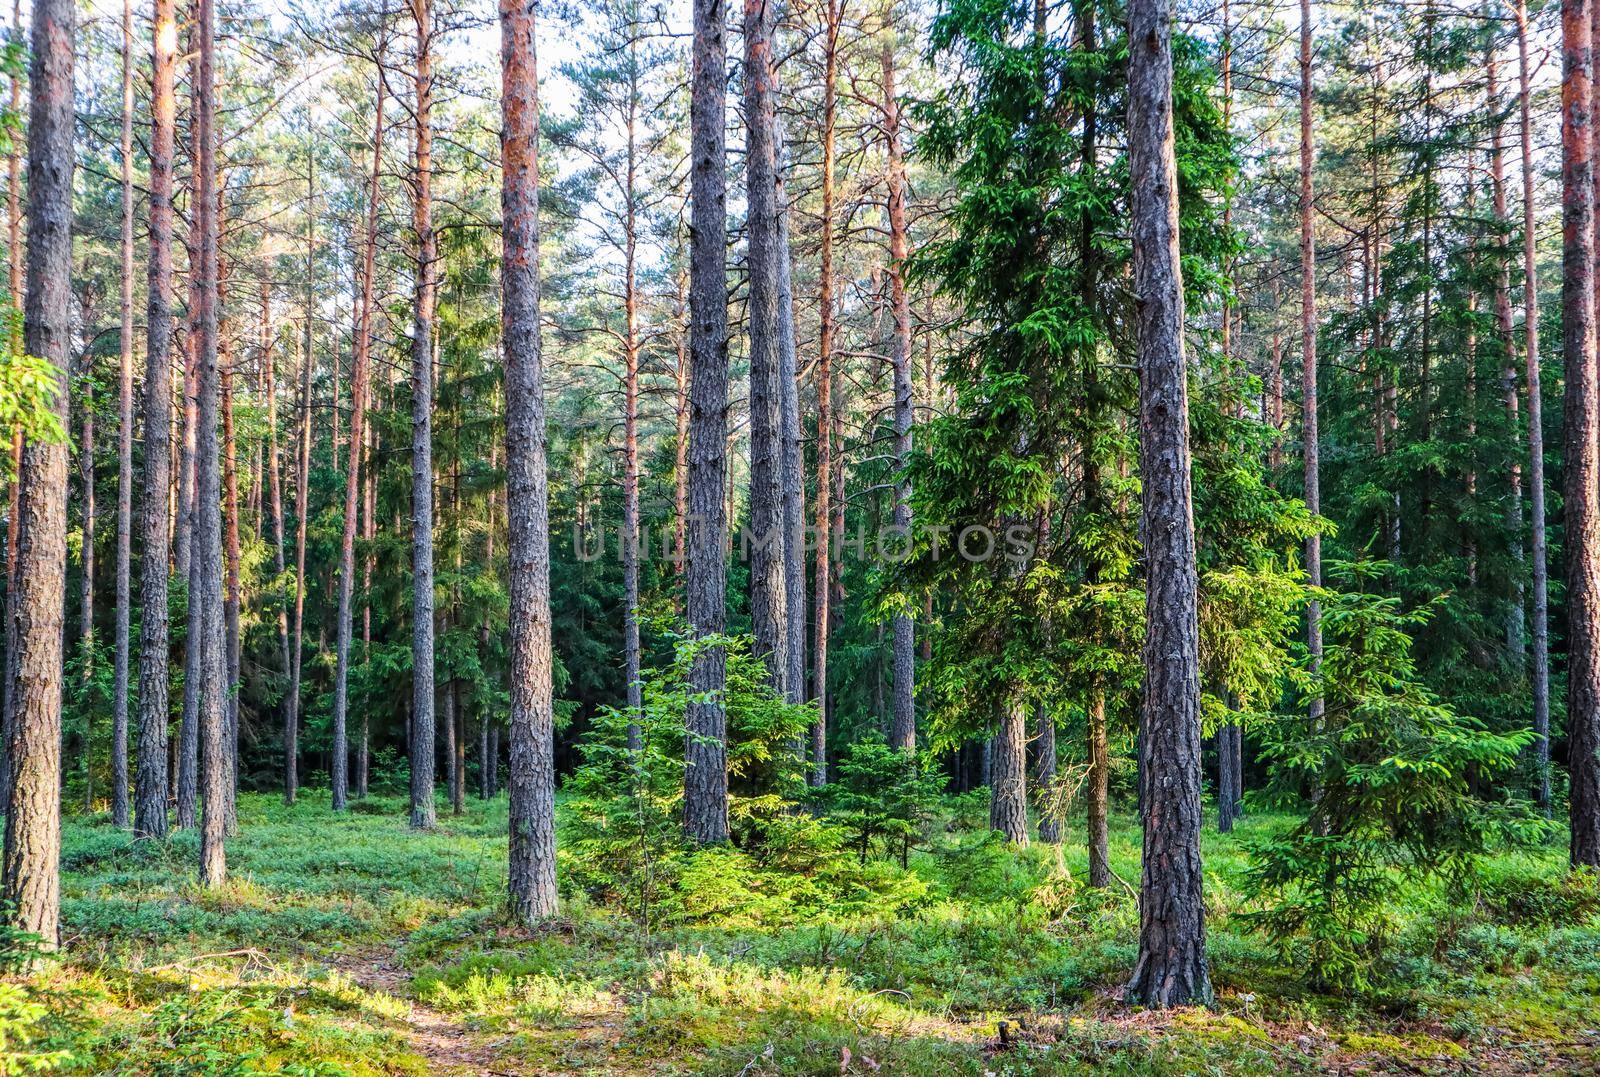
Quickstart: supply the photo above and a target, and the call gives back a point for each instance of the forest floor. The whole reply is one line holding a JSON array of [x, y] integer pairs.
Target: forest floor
[[349, 945]]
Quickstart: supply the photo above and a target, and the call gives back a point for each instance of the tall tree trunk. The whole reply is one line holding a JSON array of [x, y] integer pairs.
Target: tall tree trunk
[[302, 512], [13, 513], [150, 782], [791, 478], [369, 533], [1308, 352], [825, 333], [423, 813], [121, 809], [206, 595], [86, 563], [352, 487], [187, 784], [1008, 775], [31, 884], [1582, 416], [1537, 545], [630, 415], [269, 379], [680, 447], [903, 732], [1171, 969], [769, 606], [1516, 635], [231, 587], [706, 751], [533, 786]]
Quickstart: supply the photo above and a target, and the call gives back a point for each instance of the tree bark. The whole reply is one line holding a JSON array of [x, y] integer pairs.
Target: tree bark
[[150, 783], [1171, 969], [423, 812], [1045, 774], [769, 606], [13, 514], [121, 808], [1582, 417], [533, 837], [206, 592], [1538, 549], [903, 731], [31, 884], [302, 512], [1097, 797], [360, 387], [630, 416], [825, 334], [1008, 777], [1308, 352], [706, 752], [86, 564]]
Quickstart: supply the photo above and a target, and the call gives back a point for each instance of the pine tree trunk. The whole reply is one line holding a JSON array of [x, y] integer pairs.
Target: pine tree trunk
[[231, 553], [423, 813], [302, 512], [1171, 969], [1537, 546], [150, 781], [1045, 775], [533, 837], [791, 476], [1097, 796], [630, 412], [1516, 625], [187, 791], [825, 333], [706, 752], [1582, 418], [86, 564], [1008, 780], [1308, 352], [903, 732], [360, 388], [769, 606], [206, 592], [13, 515], [121, 808], [31, 880]]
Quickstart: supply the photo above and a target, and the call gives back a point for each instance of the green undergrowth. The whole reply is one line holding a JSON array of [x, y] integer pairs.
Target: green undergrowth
[[825, 964]]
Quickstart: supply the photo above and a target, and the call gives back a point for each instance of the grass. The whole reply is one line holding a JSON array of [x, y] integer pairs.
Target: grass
[[349, 945]]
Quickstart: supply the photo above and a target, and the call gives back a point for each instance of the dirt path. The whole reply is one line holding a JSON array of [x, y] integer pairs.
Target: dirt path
[[447, 1045]]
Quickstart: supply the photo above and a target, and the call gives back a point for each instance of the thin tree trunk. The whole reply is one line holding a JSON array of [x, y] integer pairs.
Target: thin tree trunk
[[31, 881], [207, 549], [352, 490], [150, 782], [706, 752], [791, 479], [1582, 417], [630, 417], [769, 606], [1171, 969], [302, 512], [825, 333], [86, 563], [423, 813], [188, 769], [532, 810], [1098, 794], [903, 732], [231, 553], [1516, 634], [1538, 548], [1308, 352], [121, 809]]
